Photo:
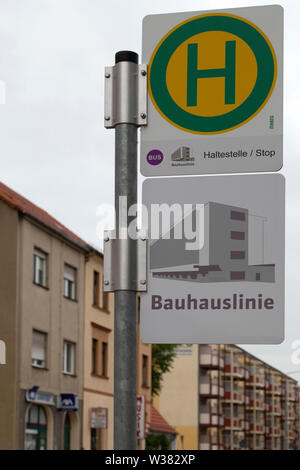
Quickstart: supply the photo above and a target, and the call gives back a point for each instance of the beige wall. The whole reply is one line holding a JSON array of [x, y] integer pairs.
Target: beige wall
[[178, 400], [98, 391], [48, 311], [8, 326]]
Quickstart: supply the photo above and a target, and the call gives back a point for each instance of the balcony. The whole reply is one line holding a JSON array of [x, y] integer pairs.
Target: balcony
[[273, 388], [258, 428], [291, 395], [234, 396], [209, 443], [273, 444], [257, 380], [291, 415], [273, 409], [235, 370], [211, 419], [256, 404], [273, 431], [211, 360], [291, 434], [211, 389], [234, 423]]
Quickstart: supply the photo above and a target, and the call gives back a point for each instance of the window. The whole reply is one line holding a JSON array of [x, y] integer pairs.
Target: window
[[94, 355], [36, 428], [144, 370], [39, 344], [237, 275], [69, 282], [257, 277], [237, 235], [237, 255], [227, 410], [100, 341], [96, 438], [235, 410], [69, 358], [96, 289], [237, 215], [40, 268], [104, 360]]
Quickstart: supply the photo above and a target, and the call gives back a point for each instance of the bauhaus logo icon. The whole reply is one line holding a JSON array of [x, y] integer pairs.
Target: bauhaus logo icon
[[212, 73]]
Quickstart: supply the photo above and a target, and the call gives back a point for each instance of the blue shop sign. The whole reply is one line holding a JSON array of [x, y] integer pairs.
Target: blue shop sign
[[67, 402], [37, 396]]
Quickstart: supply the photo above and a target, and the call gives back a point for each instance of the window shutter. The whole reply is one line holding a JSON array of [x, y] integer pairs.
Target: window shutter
[[39, 346], [69, 273]]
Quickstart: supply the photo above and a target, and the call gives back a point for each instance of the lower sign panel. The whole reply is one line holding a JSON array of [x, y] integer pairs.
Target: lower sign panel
[[215, 260]]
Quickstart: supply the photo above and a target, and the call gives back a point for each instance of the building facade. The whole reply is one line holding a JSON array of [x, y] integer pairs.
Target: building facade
[[41, 322], [98, 386], [56, 332], [239, 402]]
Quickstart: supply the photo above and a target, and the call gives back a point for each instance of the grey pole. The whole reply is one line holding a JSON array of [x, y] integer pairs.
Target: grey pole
[[125, 331]]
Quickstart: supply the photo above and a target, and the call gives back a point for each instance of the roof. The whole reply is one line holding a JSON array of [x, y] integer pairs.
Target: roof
[[24, 206], [159, 424]]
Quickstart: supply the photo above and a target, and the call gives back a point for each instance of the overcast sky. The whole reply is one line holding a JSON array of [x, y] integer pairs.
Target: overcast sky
[[54, 149]]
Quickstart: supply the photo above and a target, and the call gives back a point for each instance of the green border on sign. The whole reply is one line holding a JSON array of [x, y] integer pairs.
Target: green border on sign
[[265, 82]]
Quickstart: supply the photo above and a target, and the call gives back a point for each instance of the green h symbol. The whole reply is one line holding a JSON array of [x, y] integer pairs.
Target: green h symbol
[[193, 73]]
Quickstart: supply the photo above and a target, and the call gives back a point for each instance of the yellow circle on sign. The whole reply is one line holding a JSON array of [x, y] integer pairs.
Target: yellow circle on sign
[[173, 81], [210, 91]]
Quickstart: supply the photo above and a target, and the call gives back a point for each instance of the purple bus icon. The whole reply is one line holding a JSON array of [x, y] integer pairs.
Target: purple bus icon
[[155, 157]]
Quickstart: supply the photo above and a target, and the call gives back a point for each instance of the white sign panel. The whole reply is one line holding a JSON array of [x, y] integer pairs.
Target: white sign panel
[[215, 92], [99, 418], [140, 416], [215, 260]]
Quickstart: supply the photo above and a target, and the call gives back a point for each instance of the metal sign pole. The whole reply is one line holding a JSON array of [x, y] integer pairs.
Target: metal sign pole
[[125, 355], [124, 256]]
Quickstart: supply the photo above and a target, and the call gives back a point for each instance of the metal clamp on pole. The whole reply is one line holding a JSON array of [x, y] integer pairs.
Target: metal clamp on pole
[[125, 94], [125, 262]]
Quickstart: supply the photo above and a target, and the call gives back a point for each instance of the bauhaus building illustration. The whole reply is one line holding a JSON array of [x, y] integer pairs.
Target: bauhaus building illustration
[[224, 256], [182, 154]]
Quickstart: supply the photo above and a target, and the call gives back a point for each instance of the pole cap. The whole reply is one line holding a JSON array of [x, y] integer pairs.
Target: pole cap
[[127, 56]]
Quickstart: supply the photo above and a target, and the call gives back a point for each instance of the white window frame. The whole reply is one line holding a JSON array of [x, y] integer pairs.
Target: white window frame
[[41, 361], [70, 281], [38, 254], [66, 345]]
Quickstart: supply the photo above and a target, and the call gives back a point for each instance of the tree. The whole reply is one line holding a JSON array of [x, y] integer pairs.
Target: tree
[[162, 358], [157, 442]]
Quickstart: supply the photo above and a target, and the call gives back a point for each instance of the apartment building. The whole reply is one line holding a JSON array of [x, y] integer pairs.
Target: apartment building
[[239, 401], [42, 269]]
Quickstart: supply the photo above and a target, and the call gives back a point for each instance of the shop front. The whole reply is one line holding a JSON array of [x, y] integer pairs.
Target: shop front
[[51, 421], [98, 428]]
